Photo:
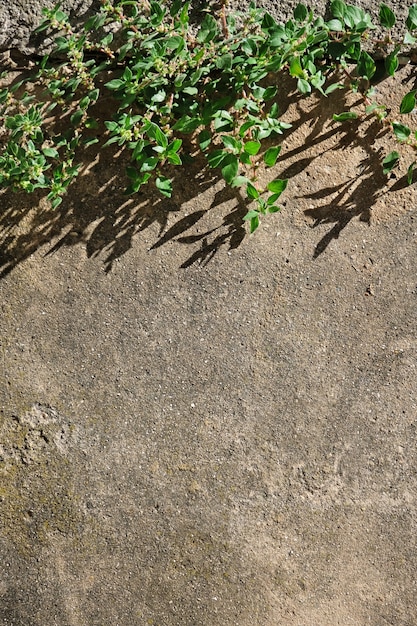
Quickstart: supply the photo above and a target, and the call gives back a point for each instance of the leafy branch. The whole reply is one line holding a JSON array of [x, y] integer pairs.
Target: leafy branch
[[176, 90]]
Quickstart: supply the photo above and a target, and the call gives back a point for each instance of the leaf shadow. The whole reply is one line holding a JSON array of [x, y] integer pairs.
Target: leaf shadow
[[354, 197]]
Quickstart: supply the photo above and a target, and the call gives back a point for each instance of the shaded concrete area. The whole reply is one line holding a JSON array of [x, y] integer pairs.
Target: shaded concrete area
[[200, 430]]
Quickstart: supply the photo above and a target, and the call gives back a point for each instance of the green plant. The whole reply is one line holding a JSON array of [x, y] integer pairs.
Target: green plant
[[176, 88]]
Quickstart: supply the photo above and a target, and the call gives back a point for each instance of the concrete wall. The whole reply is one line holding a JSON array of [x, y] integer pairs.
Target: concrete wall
[[18, 18]]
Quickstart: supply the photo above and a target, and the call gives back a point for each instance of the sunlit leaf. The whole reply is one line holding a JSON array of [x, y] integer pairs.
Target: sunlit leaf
[[271, 155], [277, 185], [401, 131], [252, 147], [408, 103], [386, 16], [343, 117], [390, 161]]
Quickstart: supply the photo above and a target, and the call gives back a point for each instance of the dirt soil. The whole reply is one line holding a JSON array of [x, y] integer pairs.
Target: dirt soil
[[205, 428]]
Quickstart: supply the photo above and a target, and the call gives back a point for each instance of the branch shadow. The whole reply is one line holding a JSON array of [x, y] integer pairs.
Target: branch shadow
[[354, 197]]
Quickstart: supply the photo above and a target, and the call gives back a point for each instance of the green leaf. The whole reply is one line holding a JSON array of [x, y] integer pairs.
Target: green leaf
[[115, 84], [223, 123], [410, 172], [50, 152], [274, 209], [208, 29], [179, 79], [244, 158], [356, 19], [245, 127], [164, 185], [174, 158], [268, 23], [156, 133], [187, 124], [254, 223], [391, 62], [300, 12], [95, 22], [159, 96], [56, 202], [230, 170], [204, 139], [157, 12], [127, 74], [94, 94], [303, 86], [175, 8], [277, 185], [106, 41], [335, 25], [84, 102], [217, 157], [149, 164], [43, 26], [111, 126], [253, 217], [270, 92], [271, 155], [238, 181], [386, 16], [224, 62], [295, 68], [333, 87], [371, 108], [411, 21], [125, 49], [338, 9], [176, 42], [401, 131], [175, 145], [252, 192], [110, 141], [195, 76], [250, 214], [231, 143], [347, 115], [272, 199], [77, 117], [190, 91], [252, 147], [89, 141], [366, 65], [409, 39], [408, 103], [390, 161]]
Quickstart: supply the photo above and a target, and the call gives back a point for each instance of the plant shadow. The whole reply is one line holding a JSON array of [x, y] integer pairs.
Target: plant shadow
[[106, 220], [203, 213], [355, 196]]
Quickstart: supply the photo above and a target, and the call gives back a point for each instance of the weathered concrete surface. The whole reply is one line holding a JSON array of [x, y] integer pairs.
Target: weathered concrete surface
[[18, 18], [199, 428], [215, 443]]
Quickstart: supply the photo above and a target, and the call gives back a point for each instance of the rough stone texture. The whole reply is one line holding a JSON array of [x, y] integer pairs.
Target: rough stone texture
[[18, 18], [202, 428]]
